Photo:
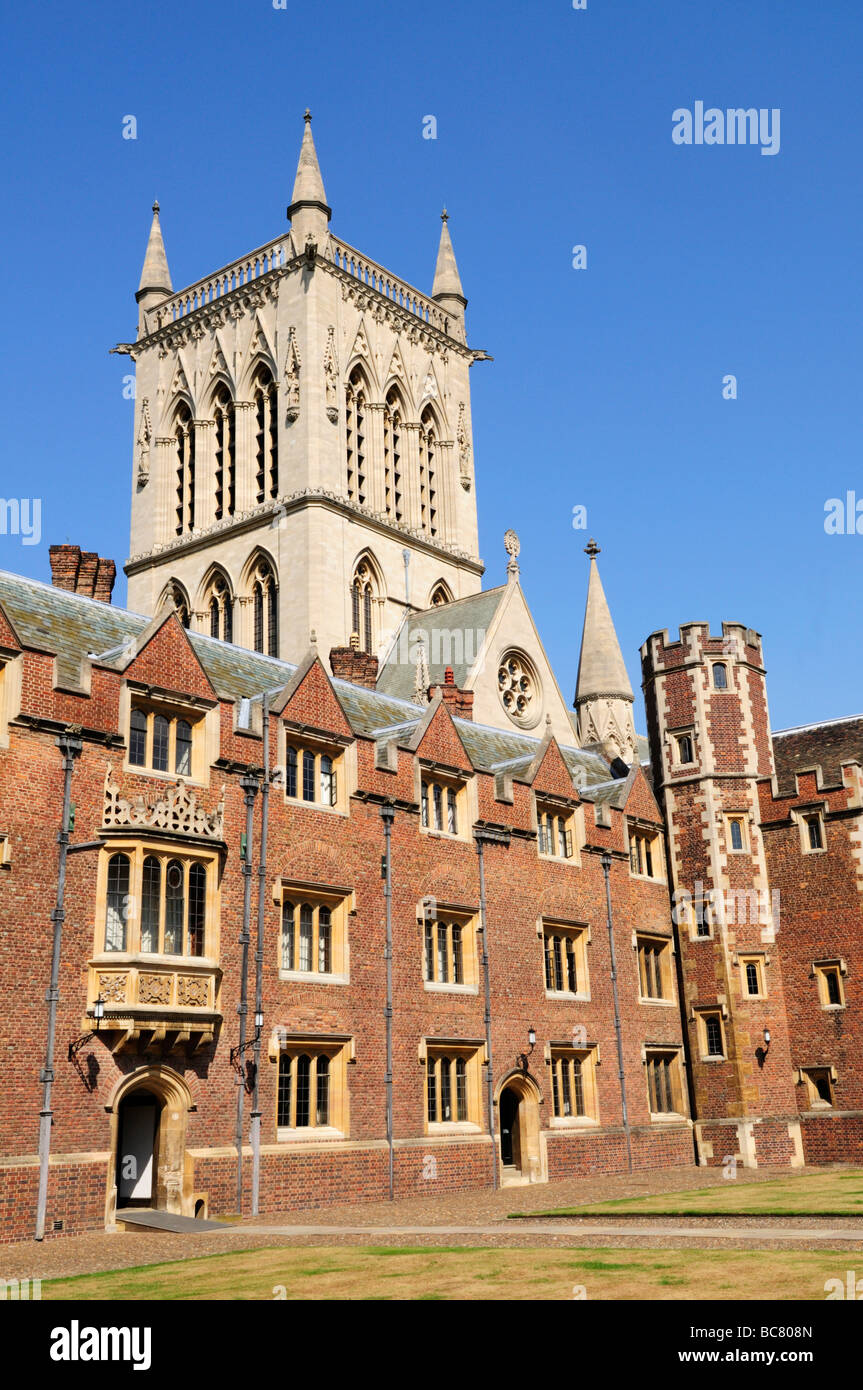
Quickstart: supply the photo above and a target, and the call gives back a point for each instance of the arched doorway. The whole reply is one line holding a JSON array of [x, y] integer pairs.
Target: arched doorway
[[522, 1149], [137, 1148], [510, 1149], [148, 1164]]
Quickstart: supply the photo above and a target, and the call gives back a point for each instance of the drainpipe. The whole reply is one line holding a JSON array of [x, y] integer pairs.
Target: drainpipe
[[388, 816], [259, 955], [250, 787], [487, 984], [70, 746], [605, 861]]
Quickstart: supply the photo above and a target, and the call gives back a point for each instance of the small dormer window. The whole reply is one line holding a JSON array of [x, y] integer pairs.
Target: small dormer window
[[441, 804], [554, 832], [160, 742], [311, 776]]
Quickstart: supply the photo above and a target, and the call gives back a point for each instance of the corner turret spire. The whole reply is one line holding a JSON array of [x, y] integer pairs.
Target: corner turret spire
[[447, 288], [603, 694], [309, 211], [155, 284]]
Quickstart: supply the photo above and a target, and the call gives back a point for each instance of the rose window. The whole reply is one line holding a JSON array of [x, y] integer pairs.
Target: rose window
[[518, 689]]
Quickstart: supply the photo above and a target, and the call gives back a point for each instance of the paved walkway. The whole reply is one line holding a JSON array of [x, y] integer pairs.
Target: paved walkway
[[457, 1218]]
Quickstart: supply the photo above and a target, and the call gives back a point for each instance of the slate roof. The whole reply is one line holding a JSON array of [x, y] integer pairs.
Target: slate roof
[[72, 627], [465, 615], [830, 744]]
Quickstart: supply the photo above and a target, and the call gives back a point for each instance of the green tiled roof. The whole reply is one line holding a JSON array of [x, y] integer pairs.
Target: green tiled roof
[[472, 615]]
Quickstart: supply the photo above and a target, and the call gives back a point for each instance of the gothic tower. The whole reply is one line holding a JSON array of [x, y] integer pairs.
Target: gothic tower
[[303, 440], [710, 745]]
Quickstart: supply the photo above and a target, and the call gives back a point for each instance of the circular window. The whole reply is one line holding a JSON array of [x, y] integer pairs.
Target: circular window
[[519, 689]]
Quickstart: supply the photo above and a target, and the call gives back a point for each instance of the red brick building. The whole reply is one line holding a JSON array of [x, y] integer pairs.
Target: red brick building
[[280, 930]]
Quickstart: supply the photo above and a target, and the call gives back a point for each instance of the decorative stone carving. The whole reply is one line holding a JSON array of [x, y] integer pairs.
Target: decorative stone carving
[[331, 376], [112, 988], [193, 990], [292, 377], [463, 449], [154, 989], [145, 434], [178, 811]]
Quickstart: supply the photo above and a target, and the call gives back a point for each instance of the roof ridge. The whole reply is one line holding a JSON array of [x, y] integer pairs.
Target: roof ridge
[[822, 724]]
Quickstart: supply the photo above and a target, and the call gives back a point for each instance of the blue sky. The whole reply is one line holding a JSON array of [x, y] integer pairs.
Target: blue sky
[[554, 129]]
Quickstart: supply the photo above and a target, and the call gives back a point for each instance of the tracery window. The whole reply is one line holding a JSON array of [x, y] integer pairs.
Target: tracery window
[[265, 609], [220, 609], [226, 453], [265, 398], [427, 478], [362, 594], [184, 434], [355, 416], [393, 416]]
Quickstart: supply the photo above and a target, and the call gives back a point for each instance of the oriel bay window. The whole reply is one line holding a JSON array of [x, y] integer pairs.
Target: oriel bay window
[[573, 1083], [311, 1093], [452, 1085], [313, 937], [158, 902], [160, 741], [565, 955]]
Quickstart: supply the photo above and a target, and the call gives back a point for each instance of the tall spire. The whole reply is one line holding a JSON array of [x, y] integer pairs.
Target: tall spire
[[308, 198], [447, 281], [155, 282], [603, 693]]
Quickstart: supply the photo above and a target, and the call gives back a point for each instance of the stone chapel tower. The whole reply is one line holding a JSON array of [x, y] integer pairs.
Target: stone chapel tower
[[303, 443]]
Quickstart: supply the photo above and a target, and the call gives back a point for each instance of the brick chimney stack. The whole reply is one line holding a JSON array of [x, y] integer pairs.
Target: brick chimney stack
[[82, 572], [350, 664], [459, 702]]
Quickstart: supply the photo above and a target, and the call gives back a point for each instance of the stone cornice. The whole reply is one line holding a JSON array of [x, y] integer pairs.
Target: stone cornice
[[282, 507]]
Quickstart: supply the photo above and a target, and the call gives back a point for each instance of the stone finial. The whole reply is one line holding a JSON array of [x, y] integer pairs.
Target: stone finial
[[512, 546], [313, 638], [421, 683], [155, 274], [592, 549]]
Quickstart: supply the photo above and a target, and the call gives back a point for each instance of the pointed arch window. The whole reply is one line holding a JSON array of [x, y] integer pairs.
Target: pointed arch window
[[220, 609], [393, 417], [175, 597], [356, 396], [362, 593], [266, 435], [428, 517], [265, 609], [226, 453], [440, 596], [185, 471]]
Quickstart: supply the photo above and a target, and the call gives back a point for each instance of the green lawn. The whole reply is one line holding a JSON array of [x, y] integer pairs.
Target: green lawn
[[455, 1273], [812, 1194]]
